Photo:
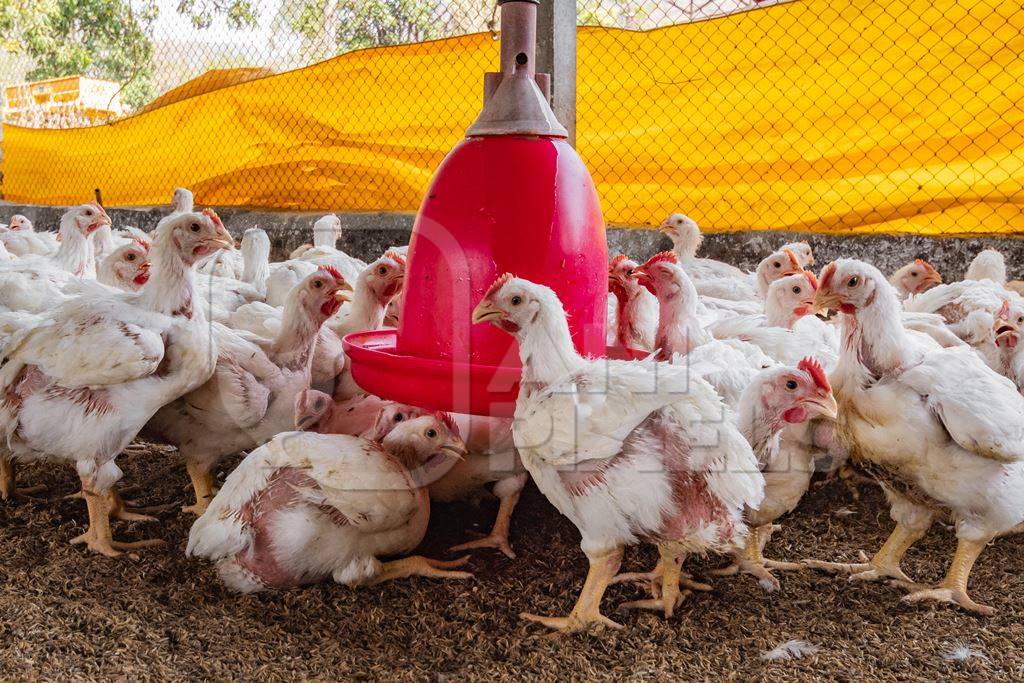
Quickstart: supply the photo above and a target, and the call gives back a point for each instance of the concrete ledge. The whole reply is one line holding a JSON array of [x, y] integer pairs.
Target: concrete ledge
[[367, 235]]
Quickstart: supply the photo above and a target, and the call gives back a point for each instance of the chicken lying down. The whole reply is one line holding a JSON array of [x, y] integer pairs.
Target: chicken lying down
[[80, 387], [251, 395], [987, 265], [21, 239], [491, 457], [996, 338], [305, 507], [941, 431], [629, 451], [773, 415], [325, 252]]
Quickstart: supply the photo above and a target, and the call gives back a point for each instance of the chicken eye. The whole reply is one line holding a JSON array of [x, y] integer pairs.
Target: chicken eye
[[796, 290], [791, 385], [399, 417], [853, 281], [194, 227], [1020, 320], [129, 257], [516, 300], [629, 273], [431, 433], [382, 270], [776, 265], [88, 212], [913, 273]]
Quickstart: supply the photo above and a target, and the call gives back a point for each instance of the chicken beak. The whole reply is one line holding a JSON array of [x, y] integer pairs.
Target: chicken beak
[[825, 406], [456, 447], [486, 311], [825, 300], [341, 297], [222, 239], [933, 277]]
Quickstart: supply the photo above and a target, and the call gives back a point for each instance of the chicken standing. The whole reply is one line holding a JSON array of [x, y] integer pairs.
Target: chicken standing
[[309, 506], [941, 431], [771, 405], [629, 451], [636, 312], [79, 387]]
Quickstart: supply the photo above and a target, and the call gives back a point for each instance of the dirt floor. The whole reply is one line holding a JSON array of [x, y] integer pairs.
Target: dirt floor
[[66, 614]]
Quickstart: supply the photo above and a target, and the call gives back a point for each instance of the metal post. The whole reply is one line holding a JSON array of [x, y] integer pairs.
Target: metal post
[[556, 55]]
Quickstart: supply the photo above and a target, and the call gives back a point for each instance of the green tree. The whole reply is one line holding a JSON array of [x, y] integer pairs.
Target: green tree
[[99, 38]]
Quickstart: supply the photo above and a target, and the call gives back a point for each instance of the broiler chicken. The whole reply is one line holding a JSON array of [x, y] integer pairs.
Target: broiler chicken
[[629, 451], [324, 252], [305, 507], [126, 267], [636, 312], [771, 406], [729, 365], [491, 457], [80, 386], [915, 277], [987, 265], [251, 395], [21, 239], [941, 431]]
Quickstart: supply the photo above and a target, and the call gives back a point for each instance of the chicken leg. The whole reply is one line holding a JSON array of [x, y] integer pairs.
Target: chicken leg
[[202, 484], [670, 570], [753, 562], [98, 537], [420, 566], [587, 610], [498, 538], [886, 562], [954, 587], [7, 488]]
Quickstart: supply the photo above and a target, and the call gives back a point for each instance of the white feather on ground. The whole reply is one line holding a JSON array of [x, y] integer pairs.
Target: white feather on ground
[[959, 652], [791, 649]]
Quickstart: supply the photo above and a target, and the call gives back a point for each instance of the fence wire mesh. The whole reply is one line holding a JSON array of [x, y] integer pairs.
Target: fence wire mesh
[[856, 115]]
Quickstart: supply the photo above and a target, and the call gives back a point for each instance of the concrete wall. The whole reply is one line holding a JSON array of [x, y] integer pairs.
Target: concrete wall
[[367, 235]]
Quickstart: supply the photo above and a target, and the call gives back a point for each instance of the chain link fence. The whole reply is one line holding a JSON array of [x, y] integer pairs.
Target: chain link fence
[[855, 115]]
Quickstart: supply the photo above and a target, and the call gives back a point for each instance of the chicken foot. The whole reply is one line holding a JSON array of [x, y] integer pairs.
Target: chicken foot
[[125, 510], [954, 587], [753, 562], [886, 562], [587, 610], [498, 538], [418, 565], [7, 488], [98, 537], [202, 484], [667, 594]]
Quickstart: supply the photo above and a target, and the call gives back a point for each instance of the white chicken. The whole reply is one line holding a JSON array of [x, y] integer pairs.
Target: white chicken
[[941, 431], [636, 312], [324, 252], [914, 278], [491, 457], [21, 239], [79, 387], [776, 401], [729, 365], [251, 395], [987, 265], [305, 507], [628, 451], [126, 267]]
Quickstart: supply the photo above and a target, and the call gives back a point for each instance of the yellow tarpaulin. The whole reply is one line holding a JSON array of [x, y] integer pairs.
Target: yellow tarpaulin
[[831, 115]]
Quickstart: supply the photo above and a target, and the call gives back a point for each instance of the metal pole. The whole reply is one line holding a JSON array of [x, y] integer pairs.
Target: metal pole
[[556, 55]]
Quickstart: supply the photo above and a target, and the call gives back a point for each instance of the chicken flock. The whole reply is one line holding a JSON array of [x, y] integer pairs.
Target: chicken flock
[[744, 385]]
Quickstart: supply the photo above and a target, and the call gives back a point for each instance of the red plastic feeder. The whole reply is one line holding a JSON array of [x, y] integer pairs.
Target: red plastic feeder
[[512, 197]]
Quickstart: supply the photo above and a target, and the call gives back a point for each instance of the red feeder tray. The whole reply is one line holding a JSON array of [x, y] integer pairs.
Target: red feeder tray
[[513, 197]]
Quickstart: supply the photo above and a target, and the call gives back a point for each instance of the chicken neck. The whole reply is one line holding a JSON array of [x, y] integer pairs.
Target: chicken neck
[[76, 253]]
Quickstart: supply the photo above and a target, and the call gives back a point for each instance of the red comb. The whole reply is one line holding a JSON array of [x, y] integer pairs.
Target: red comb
[[395, 256], [662, 257], [498, 284], [449, 422], [813, 368], [826, 275], [212, 215], [1004, 310], [142, 243], [619, 258], [810, 278], [332, 271]]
